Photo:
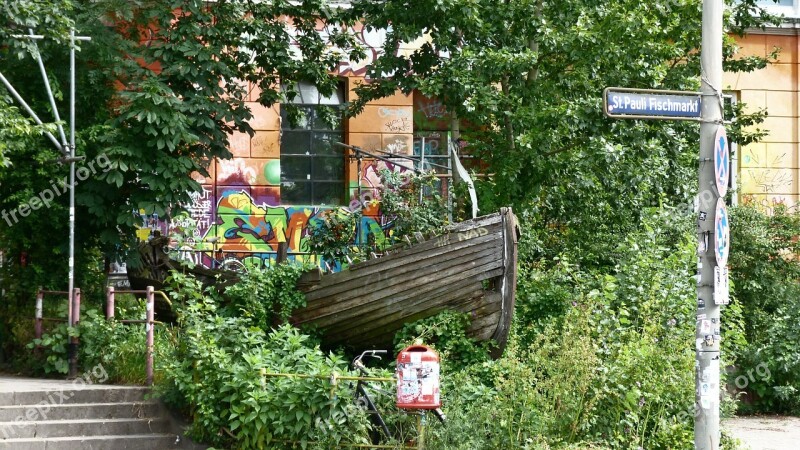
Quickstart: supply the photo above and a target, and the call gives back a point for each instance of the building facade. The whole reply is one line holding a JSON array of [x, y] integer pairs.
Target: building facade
[[284, 177], [767, 172]]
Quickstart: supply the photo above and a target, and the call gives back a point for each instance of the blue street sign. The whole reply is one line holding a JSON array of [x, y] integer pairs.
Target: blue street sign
[[722, 233], [721, 161], [623, 103]]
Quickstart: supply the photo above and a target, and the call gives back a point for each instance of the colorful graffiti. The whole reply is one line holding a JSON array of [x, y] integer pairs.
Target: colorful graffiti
[[252, 232]]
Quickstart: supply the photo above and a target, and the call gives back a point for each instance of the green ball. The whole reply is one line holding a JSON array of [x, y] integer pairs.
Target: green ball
[[272, 172]]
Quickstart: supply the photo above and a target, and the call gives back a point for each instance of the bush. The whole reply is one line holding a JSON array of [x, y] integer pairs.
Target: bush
[[215, 375], [598, 357], [765, 271], [119, 348]]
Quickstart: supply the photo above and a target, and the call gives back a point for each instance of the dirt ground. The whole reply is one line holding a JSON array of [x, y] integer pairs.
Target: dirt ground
[[765, 432]]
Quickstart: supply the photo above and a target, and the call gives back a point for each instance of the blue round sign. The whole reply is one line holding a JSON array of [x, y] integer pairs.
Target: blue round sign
[[722, 160], [722, 233]]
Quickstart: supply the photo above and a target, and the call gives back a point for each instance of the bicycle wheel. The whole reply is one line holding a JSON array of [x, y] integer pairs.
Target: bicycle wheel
[[233, 265]]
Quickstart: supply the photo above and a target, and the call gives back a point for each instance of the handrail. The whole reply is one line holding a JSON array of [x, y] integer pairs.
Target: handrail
[[149, 322], [73, 318]]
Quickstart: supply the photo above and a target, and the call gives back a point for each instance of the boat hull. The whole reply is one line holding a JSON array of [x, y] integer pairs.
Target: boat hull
[[471, 268]]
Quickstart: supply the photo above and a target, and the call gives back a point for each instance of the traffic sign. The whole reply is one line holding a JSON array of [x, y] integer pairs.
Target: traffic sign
[[625, 103], [721, 286], [722, 233], [722, 158]]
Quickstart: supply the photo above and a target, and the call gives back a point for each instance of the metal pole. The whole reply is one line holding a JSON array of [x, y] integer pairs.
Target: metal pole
[[110, 303], [149, 328], [27, 108], [49, 91], [71, 255], [706, 425]]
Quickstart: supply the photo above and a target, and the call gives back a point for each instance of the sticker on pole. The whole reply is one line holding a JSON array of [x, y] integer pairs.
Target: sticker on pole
[[722, 159], [722, 233], [721, 286]]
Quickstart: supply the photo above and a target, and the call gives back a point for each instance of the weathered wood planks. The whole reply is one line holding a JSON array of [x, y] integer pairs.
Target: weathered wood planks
[[367, 304]]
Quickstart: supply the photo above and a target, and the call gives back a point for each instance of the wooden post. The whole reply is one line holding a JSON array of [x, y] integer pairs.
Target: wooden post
[[150, 338], [283, 252]]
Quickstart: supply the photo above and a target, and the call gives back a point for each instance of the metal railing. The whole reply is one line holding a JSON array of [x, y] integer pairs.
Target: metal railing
[[149, 322], [73, 318]]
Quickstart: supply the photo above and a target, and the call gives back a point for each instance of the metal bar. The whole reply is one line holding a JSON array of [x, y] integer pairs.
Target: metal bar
[[414, 158], [71, 251], [110, 303], [388, 446], [55, 292], [361, 150], [53, 319], [327, 377], [27, 108], [38, 324], [150, 334], [49, 92]]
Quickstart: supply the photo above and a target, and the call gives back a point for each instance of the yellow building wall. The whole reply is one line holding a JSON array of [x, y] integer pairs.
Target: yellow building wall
[[768, 170]]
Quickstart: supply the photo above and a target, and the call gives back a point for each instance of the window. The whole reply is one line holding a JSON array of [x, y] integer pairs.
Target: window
[[312, 166], [789, 8]]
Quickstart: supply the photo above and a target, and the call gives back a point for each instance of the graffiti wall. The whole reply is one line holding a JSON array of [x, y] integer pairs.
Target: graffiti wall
[[240, 213]]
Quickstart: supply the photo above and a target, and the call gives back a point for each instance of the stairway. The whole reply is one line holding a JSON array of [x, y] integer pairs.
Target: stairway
[[65, 415]]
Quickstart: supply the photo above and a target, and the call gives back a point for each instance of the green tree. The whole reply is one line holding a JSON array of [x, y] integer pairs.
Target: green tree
[[529, 76], [160, 88]]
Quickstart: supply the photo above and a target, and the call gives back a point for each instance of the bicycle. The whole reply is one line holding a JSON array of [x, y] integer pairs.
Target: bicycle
[[379, 431], [188, 253]]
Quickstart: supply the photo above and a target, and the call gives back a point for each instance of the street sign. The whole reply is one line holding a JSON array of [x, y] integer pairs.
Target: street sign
[[722, 233], [721, 286], [625, 103], [722, 159]]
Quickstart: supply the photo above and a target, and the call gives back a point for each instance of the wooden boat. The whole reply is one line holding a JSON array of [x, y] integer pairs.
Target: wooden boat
[[470, 268]]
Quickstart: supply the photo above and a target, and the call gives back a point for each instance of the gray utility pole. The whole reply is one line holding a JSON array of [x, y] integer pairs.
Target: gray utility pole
[[712, 233], [67, 149]]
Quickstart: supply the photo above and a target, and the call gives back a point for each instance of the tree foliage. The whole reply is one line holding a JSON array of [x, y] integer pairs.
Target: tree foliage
[[528, 76]]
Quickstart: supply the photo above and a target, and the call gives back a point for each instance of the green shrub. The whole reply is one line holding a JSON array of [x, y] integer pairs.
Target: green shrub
[[610, 365], [765, 275], [119, 348], [266, 297], [215, 375]]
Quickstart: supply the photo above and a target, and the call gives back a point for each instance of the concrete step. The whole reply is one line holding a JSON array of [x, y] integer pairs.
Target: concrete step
[[127, 442], [70, 415], [86, 427], [68, 394], [126, 410]]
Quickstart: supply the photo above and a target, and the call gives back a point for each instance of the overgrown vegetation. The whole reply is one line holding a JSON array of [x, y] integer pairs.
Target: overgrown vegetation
[[411, 202], [765, 272], [601, 351]]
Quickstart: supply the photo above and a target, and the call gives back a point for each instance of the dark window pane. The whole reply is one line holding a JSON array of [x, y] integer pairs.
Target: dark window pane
[[295, 168], [295, 142], [325, 144], [296, 193], [327, 119], [303, 122], [328, 193], [328, 168]]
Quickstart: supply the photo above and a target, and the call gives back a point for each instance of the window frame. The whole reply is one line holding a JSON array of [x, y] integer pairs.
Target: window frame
[[314, 134]]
